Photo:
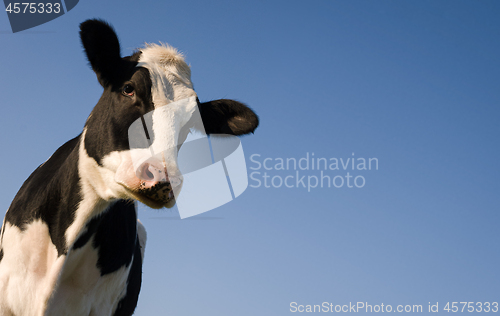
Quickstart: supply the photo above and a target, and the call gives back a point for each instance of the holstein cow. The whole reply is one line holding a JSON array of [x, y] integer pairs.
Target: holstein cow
[[70, 242]]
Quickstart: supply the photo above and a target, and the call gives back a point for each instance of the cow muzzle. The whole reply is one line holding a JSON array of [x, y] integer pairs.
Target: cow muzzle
[[155, 182], [150, 167], [150, 182]]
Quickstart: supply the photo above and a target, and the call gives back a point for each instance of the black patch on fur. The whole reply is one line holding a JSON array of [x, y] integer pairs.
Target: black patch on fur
[[1, 239], [127, 305], [228, 117], [90, 230], [115, 234], [1, 233], [108, 124], [52, 194]]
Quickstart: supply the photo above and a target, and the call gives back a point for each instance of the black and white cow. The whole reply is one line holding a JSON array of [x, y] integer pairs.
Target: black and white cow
[[70, 242]]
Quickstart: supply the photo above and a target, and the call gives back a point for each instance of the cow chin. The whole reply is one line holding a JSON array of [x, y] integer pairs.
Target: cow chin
[[155, 200], [149, 184], [157, 196]]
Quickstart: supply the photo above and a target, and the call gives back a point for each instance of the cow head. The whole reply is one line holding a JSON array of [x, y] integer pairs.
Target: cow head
[[155, 78]]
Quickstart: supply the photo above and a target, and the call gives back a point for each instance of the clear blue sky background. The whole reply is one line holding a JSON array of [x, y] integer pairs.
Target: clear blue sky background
[[413, 83]]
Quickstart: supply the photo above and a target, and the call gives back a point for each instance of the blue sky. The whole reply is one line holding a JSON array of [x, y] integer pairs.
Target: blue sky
[[412, 83]]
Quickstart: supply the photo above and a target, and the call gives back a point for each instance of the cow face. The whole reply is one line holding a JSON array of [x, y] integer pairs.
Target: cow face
[[153, 83]]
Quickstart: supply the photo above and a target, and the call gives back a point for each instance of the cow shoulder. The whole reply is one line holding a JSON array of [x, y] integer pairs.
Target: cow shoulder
[[50, 194]]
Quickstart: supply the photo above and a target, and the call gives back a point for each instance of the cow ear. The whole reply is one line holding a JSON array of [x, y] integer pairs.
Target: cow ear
[[102, 48], [228, 117]]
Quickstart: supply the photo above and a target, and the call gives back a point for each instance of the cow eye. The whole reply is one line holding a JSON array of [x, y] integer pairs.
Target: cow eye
[[128, 90]]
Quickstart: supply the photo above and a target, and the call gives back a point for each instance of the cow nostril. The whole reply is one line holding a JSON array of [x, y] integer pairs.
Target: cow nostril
[[146, 173], [149, 174]]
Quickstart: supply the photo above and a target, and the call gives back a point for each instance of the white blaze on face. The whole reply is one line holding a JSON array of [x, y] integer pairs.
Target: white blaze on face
[[173, 97], [163, 126], [175, 102]]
